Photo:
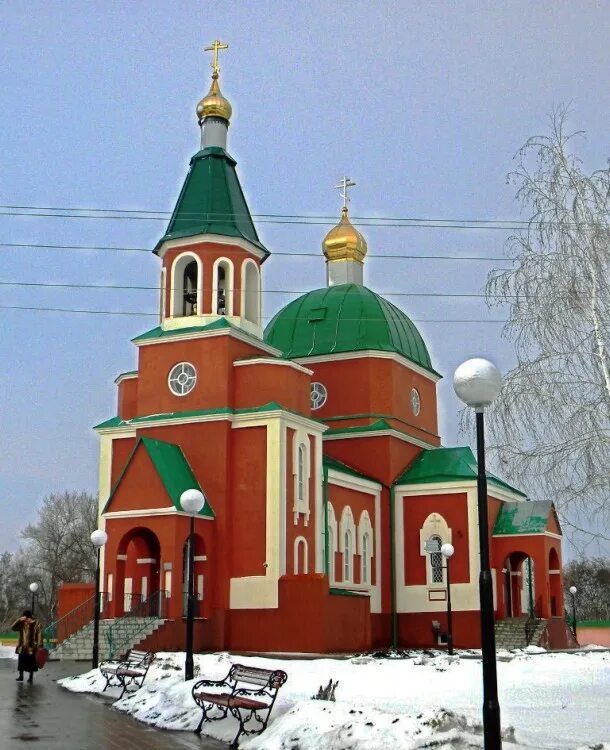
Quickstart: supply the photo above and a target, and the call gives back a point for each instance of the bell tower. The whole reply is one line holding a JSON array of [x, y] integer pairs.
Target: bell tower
[[211, 252]]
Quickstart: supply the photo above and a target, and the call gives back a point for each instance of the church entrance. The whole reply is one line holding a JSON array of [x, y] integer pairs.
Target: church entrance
[[518, 585], [137, 574]]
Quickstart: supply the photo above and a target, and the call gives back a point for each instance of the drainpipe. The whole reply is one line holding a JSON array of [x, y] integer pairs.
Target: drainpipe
[[325, 501], [393, 568]]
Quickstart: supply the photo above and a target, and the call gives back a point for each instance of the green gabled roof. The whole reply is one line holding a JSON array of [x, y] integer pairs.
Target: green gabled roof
[[523, 518], [212, 201], [447, 465], [331, 463], [160, 334], [380, 424], [173, 469], [345, 318]]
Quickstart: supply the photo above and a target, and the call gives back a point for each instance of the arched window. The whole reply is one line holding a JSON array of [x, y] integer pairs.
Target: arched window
[[348, 559], [301, 475], [331, 555], [365, 560], [300, 556], [185, 286], [437, 569], [301, 472], [222, 291], [251, 294]]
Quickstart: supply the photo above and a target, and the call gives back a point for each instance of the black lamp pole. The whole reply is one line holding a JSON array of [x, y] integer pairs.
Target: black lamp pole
[[33, 603], [574, 615], [96, 616], [449, 613], [188, 664], [491, 707]]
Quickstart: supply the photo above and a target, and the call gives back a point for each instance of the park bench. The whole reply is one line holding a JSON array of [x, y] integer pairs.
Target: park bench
[[248, 693], [129, 672]]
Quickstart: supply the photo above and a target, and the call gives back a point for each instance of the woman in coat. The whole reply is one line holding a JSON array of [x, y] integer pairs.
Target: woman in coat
[[30, 640]]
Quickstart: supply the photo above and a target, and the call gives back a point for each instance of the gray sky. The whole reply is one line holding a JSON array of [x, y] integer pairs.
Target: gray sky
[[423, 104]]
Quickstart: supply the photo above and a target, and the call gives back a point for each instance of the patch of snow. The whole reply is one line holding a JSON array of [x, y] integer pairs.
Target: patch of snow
[[7, 652]]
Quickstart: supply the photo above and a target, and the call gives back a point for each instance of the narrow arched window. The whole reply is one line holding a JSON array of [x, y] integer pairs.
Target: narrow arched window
[[221, 291], [300, 556], [331, 555], [251, 297], [301, 474], [347, 556], [436, 559], [189, 289], [365, 572]]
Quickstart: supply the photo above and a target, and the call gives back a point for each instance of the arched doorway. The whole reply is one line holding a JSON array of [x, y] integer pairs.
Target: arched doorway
[[518, 585], [199, 570], [137, 573], [555, 585]]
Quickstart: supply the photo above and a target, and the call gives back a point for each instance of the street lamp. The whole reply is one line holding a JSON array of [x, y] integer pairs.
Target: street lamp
[[446, 551], [191, 502], [98, 538], [33, 589], [573, 591], [477, 382]]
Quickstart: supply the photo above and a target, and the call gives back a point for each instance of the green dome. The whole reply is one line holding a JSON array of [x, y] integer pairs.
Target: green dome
[[345, 318]]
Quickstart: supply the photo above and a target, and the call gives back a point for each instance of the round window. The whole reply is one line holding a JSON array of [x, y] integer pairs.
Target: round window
[[319, 394], [415, 401], [182, 379]]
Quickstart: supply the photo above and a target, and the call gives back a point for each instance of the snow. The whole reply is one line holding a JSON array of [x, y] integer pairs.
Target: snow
[[7, 652], [553, 700]]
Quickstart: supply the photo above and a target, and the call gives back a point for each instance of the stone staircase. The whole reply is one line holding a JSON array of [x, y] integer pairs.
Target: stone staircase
[[510, 633], [122, 634]]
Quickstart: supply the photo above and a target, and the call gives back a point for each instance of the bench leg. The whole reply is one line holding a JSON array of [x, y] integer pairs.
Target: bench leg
[[198, 730]]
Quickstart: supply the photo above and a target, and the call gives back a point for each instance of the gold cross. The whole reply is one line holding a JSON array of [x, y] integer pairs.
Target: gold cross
[[216, 45], [343, 187]]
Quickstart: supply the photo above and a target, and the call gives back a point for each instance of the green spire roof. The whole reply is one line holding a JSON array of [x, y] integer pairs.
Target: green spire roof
[[447, 465], [212, 201], [345, 318]]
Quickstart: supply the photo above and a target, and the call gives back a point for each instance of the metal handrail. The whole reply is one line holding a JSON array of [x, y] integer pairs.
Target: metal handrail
[[152, 607], [72, 621]]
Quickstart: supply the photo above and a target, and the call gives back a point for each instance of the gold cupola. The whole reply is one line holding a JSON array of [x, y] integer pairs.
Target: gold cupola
[[214, 103], [344, 242]]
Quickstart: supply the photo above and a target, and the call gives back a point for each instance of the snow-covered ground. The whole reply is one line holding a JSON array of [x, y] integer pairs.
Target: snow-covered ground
[[7, 652], [552, 700]]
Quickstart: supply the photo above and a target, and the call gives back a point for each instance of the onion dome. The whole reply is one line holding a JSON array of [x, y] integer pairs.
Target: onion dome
[[345, 318], [344, 242], [214, 103]]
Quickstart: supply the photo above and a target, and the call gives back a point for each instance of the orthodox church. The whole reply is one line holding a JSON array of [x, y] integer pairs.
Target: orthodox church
[[315, 442]]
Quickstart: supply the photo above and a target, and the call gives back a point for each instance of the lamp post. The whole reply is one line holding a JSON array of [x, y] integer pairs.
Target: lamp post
[[98, 538], [477, 382], [191, 502], [447, 551], [573, 591], [33, 589]]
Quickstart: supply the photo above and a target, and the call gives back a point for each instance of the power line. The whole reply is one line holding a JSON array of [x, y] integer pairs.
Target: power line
[[291, 254], [267, 317]]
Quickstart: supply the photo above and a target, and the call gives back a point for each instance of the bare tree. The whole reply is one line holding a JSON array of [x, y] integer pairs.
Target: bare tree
[[592, 579], [549, 430]]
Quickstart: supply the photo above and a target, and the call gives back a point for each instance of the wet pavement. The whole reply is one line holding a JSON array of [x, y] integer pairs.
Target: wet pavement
[[46, 716]]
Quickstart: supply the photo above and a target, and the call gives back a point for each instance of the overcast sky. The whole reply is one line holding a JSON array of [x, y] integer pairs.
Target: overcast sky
[[423, 104]]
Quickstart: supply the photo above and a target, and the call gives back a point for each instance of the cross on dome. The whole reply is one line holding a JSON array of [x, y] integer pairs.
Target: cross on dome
[[343, 186], [215, 47]]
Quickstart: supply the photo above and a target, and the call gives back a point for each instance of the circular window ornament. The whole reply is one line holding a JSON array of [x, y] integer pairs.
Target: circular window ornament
[[182, 378], [319, 394], [415, 401]]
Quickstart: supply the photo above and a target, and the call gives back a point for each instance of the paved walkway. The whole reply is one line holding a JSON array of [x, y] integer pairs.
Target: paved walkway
[[46, 716]]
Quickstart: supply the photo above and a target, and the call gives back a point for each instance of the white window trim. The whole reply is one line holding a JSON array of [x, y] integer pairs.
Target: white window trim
[[229, 285], [365, 528], [244, 268], [174, 289], [300, 540], [347, 525], [332, 549], [434, 525], [301, 505]]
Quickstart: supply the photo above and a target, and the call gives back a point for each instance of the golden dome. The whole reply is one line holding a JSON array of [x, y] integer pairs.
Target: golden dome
[[344, 242], [214, 104]]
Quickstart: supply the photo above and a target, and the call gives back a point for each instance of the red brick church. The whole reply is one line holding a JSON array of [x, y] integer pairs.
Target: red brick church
[[316, 444]]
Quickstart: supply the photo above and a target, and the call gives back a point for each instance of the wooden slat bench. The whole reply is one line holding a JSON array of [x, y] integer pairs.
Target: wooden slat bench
[[128, 673], [247, 693]]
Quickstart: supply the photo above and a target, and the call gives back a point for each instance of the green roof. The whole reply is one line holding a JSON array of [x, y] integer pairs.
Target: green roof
[[447, 465], [173, 470], [160, 333], [212, 201], [523, 518], [345, 318]]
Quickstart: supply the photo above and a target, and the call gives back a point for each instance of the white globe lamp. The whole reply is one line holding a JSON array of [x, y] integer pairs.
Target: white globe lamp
[[192, 501], [477, 382], [573, 590], [33, 587], [99, 538], [447, 550]]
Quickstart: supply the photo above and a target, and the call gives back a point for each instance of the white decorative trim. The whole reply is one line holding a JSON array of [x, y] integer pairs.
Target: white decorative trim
[[217, 239], [320, 542], [301, 447], [121, 557], [435, 525], [170, 511], [283, 502], [347, 526], [300, 540], [125, 376], [196, 320], [244, 291], [525, 533], [229, 288], [162, 294], [174, 288], [349, 481], [271, 361], [382, 433], [332, 548], [200, 558], [371, 353], [292, 420], [146, 561], [365, 529], [462, 486]]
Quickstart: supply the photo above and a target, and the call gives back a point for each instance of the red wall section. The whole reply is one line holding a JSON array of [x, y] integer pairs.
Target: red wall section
[[140, 488], [127, 398], [454, 509], [70, 598], [258, 384], [382, 458], [121, 450]]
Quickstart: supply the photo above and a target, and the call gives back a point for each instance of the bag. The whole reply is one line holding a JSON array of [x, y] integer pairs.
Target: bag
[[41, 657]]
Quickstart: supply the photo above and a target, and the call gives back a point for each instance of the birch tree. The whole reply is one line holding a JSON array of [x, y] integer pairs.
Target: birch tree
[[549, 430]]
